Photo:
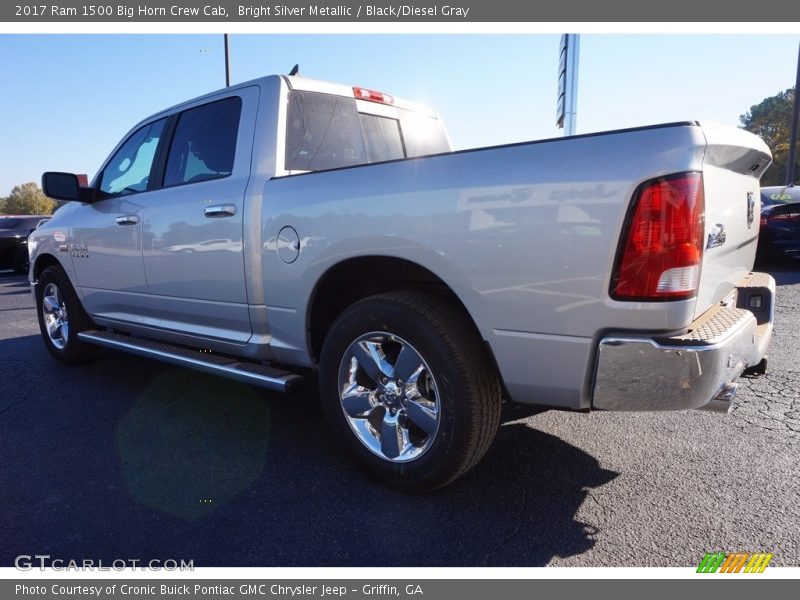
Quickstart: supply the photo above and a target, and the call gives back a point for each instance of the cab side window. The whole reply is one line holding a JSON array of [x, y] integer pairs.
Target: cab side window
[[204, 144], [128, 171], [322, 132]]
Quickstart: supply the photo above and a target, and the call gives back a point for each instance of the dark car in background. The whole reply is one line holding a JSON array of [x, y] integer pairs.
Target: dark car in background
[[14, 232], [780, 222]]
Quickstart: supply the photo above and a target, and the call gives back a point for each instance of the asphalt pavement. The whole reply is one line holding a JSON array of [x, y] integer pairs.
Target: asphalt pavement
[[127, 458]]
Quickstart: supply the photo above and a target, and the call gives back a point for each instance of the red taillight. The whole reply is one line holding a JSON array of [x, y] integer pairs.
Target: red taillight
[[372, 95], [663, 245], [787, 217]]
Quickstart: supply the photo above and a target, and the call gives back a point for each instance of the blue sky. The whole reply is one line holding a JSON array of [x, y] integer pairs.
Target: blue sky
[[66, 100]]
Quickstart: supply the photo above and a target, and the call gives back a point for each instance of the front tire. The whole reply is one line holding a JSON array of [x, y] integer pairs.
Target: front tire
[[409, 389], [61, 317]]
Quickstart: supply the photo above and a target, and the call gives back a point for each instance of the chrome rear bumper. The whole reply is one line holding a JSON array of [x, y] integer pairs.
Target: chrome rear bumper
[[695, 370]]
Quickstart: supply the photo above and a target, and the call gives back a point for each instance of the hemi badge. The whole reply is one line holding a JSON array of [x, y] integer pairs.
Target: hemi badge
[[717, 236]]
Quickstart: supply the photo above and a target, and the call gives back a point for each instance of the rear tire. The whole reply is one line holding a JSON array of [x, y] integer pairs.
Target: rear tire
[[61, 318], [409, 388]]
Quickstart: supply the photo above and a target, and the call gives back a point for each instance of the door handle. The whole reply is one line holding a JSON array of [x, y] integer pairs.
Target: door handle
[[220, 210], [127, 220]]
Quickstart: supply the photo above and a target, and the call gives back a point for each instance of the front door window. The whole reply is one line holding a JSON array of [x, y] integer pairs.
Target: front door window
[[129, 169]]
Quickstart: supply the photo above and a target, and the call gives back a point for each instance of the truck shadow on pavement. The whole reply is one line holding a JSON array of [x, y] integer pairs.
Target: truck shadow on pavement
[[126, 457], [13, 284]]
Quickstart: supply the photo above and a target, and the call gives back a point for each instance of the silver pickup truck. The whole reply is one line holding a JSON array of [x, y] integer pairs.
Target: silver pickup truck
[[287, 228]]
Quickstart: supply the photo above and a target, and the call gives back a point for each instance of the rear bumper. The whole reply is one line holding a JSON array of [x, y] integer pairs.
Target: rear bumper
[[695, 370]]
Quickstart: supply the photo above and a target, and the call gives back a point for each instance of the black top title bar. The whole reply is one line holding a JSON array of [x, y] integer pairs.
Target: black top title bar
[[460, 11]]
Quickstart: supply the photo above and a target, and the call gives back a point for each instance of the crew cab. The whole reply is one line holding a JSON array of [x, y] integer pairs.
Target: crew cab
[[286, 229]]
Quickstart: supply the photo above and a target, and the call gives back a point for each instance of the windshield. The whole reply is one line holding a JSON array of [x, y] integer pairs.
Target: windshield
[[18, 222], [779, 195]]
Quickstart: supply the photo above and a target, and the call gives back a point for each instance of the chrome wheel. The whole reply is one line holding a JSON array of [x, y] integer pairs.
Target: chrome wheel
[[54, 312], [389, 396]]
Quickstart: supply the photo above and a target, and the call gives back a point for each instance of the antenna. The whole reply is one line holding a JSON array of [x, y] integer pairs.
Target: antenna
[[227, 63], [295, 70]]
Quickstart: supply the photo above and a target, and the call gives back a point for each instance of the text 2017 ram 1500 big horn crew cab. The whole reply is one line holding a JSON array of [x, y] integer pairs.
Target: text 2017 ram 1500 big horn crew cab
[[287, 226]]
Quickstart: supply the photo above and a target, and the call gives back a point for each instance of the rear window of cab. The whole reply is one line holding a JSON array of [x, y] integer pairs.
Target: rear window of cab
[[780, 195], [325, 131]]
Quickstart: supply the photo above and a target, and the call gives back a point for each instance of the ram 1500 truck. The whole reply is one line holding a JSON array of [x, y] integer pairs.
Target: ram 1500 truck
[[286, 228]]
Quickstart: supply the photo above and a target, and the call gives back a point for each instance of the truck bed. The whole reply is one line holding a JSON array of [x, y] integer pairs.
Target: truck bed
[[526, 236]]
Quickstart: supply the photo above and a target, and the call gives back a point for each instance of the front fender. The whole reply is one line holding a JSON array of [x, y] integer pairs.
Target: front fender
[[50, 242]]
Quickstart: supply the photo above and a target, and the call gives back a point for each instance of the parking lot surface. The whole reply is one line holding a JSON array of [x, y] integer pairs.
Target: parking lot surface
[[126, 458]]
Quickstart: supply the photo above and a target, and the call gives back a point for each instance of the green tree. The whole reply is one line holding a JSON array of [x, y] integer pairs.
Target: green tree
[[28, 199], [771, 120]]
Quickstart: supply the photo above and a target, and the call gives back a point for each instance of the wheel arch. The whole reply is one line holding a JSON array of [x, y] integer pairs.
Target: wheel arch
[[42, 262], [343, 284]]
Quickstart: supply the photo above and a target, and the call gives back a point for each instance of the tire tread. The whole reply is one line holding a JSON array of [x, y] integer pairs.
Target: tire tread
[[472, 364], [76, 351]]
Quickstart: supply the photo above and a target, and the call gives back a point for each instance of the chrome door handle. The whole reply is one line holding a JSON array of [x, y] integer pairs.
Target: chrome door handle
[[220, 210], [127, 220]]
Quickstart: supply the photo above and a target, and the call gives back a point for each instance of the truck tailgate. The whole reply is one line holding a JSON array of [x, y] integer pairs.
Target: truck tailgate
[[733, 163]]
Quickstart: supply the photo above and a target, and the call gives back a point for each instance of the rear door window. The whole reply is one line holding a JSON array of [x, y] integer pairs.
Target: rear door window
[[204, 144]]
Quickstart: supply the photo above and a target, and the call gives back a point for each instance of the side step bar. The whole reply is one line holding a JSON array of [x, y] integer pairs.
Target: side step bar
[[215, 364]]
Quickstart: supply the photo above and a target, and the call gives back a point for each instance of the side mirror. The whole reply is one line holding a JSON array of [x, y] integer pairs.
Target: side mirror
[[66, 186]]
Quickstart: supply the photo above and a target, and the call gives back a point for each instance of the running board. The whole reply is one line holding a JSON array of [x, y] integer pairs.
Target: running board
[[215, 364]]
